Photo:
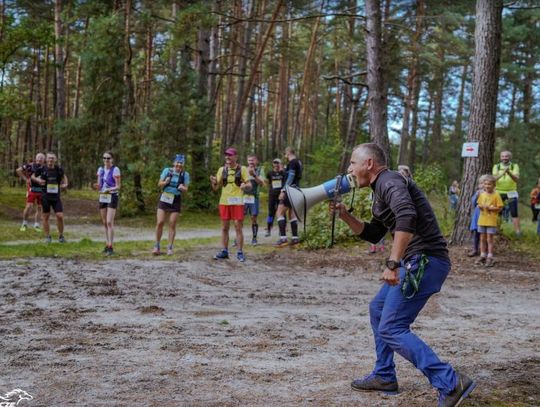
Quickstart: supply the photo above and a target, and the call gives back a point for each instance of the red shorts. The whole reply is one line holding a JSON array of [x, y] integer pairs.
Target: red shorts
[[33, 197], [231, 212]]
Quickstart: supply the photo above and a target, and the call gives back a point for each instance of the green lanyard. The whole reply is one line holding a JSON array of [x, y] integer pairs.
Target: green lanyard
[[414, 280]]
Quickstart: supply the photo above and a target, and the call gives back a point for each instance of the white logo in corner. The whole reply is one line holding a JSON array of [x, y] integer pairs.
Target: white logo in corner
[[14, 397]]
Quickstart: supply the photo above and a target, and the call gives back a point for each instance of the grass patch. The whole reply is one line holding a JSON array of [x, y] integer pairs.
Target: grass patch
[[88, 249]]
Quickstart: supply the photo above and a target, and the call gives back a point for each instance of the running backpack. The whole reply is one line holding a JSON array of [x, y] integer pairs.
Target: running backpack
[[111, 182], [237, 176]]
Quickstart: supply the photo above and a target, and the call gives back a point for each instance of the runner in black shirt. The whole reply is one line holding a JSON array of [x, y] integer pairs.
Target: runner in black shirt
[[52, 178], [293, 174], [275, 185], [416, 269]]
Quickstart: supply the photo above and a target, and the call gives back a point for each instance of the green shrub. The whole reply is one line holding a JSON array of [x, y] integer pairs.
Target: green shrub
[[319, 221], [430, 178]]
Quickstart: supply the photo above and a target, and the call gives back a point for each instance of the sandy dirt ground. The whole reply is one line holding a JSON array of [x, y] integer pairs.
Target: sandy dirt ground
[[289, 328]]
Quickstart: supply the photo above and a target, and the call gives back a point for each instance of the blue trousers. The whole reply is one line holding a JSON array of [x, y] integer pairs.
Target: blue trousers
[[391, 316]]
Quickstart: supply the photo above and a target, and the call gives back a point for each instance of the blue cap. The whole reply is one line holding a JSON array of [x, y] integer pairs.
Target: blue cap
[[180, 158]]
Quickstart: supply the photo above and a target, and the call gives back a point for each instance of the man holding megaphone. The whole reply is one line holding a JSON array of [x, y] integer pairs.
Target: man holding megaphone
[[416, 269]]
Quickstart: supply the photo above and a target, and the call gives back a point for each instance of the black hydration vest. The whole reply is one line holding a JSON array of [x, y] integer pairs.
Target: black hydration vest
[[237, 176]]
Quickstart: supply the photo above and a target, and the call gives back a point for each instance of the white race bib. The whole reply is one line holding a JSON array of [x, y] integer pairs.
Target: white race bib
[[52, 188], [105, 198], [512, 194], [249, 199], [167, 197], [276, 184], [236, 200], [537, 206]]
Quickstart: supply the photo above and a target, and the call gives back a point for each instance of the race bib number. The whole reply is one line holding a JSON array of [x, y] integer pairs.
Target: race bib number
[[52, 188], [234, 201], [276, 184], [512, 194], [249, 199], [537, 206], [105, 198], [167, 197]]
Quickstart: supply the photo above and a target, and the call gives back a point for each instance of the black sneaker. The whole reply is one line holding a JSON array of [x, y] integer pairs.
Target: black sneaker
[[374, 383], [481, 261], [465, 385], [110, 251], [223, 254]]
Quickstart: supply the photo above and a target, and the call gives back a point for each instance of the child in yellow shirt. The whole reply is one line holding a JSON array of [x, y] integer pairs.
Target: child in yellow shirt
[[490, 204]]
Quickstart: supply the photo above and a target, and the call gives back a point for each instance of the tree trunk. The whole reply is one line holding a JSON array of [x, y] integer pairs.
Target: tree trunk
[[60, 107], [438, 80], [375, 78], [129, 96], [487, 54], [148, 68], [302, 103], [427, 137], [414, 129], [456, 138], [46, 130], [412, 85], [255, 68]]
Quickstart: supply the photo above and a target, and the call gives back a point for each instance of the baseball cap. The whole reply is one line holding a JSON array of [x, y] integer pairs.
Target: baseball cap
[[180, 158], [276, 161], [231, 151]]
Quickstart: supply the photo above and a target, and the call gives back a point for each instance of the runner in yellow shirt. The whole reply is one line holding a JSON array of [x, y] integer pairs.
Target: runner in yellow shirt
[[233, 178]]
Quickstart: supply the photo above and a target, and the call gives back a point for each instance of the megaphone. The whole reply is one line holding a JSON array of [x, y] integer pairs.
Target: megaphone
[[302, 199]]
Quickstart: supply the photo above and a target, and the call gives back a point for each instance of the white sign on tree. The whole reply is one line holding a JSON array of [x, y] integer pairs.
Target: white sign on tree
[[470, 149]]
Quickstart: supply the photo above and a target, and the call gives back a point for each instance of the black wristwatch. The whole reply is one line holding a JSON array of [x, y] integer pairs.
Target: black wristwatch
[[392, 264]]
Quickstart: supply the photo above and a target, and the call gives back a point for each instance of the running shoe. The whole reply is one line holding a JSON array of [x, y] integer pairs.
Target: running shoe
[[282, 242], [223, 254], [110, 251], [169, 251], [23, 228], [372, 249], [267, 233], [481, 261], [240, 256], [48, 239], [37, 228], [254, 242], [295, 241], [156, 251], [61, 239]]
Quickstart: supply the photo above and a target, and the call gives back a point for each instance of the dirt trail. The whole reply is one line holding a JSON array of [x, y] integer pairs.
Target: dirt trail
[[286, 329]]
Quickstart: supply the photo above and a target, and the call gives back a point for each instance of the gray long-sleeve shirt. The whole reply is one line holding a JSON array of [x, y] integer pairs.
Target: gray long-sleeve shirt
[[399, 205]]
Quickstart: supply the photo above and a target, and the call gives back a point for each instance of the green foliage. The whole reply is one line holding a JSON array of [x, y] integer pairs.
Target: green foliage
[[319, 229], [14, 105], [323, 163], [430, 178]]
